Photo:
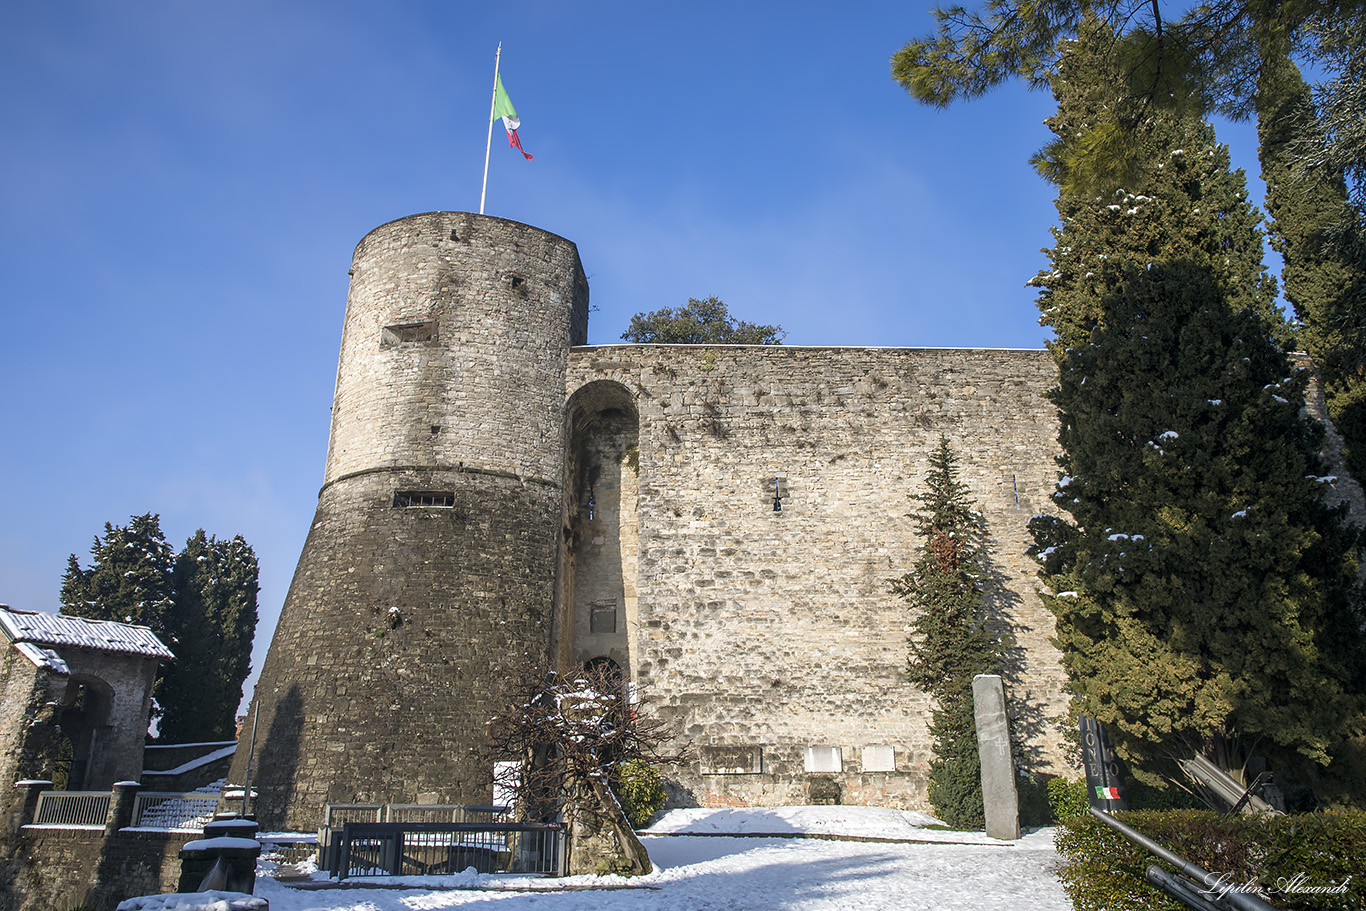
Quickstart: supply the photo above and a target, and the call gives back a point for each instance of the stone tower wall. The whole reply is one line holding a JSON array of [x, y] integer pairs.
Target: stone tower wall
[[762, 633], [431, 565]]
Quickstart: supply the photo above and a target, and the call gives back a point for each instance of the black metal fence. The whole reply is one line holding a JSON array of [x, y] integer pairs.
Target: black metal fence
[[430, 848]]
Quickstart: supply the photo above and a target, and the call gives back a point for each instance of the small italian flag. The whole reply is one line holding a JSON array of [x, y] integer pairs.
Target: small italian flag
[[1107, 793], [502, 107]]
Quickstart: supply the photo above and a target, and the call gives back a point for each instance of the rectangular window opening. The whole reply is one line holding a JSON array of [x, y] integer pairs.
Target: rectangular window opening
[[415, 333], [423, 499], [603, 617]]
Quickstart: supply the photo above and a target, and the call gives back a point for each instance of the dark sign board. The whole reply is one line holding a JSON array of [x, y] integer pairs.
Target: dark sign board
[[1104, 772]]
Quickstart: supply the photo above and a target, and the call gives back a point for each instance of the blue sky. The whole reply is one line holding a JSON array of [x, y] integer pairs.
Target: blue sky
[[182, 184]]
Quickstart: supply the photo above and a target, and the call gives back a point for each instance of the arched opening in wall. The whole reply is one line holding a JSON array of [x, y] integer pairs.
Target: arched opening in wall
[[606, 668], [84, 720], [598, 615]]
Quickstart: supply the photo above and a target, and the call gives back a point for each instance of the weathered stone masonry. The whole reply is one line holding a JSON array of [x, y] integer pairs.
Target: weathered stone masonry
[[763, 632], [496, 490]]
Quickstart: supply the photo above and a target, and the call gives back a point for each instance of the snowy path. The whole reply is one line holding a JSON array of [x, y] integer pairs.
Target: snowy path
[[739, 874]]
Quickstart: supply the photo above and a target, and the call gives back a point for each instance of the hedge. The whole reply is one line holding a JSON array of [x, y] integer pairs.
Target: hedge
[[1285, 855]]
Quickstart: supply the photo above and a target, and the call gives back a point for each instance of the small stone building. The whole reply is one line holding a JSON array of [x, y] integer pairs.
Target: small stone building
[[75, 697]]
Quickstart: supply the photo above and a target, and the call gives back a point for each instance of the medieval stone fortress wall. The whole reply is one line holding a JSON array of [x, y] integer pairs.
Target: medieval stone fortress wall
[[719, 522], [766, 630]]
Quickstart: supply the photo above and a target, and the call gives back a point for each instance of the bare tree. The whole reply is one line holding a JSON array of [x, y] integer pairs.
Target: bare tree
[[567, 735]]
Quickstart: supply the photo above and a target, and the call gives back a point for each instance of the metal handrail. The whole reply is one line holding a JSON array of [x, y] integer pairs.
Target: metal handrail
[[335, 815], [423, 812]]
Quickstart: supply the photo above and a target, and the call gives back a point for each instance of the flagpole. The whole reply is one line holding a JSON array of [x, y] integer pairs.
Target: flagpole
[[489, 144]]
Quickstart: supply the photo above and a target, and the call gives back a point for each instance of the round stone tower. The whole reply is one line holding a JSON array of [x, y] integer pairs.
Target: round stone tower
[[431, 567]]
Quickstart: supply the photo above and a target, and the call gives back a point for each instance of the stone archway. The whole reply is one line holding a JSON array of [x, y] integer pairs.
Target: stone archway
[[599, 610], [84, 720]]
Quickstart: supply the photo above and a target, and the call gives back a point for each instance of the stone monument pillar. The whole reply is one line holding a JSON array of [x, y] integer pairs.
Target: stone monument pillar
[[1000, 799]]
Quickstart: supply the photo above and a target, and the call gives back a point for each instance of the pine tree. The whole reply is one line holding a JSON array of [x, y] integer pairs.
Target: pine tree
[[701, 322], [1320, 238], [1196, 60], [950, 643], [1205, 594], [213, 621]]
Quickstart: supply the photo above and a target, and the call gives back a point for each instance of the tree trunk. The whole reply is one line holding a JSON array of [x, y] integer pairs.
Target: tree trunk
[[601, 840]]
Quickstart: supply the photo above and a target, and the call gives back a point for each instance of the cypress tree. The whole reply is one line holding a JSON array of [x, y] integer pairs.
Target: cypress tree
[[201, 603], [1319, 236], [1205, 594], [950, 643], [213, 621], [1186, 203], [129, 579], [1206, 598]]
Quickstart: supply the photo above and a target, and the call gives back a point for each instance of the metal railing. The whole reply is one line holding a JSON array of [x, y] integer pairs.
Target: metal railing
[[484, 814], [72, 808], [336, 815], [173, 810], [429, 848], [422, 812]]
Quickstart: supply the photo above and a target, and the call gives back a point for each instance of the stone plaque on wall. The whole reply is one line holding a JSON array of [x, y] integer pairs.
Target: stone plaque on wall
[[880, 758], [724, 760], [824, 759]]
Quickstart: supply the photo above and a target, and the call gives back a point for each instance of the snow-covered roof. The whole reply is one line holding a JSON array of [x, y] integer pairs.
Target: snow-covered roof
[[43, 657], [81, 632]]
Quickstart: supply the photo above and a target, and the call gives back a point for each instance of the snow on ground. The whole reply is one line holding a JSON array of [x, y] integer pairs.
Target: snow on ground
[[722, 873], [859, 822]]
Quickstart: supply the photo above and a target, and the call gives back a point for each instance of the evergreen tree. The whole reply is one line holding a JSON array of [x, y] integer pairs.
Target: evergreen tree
[[1319, 236], [702, 322], [1185, 203], [213, 621], [1202, 58], [1206, 595], [201, 603], [1206, 598], [1337, 45], [129, 579], [950, 643]]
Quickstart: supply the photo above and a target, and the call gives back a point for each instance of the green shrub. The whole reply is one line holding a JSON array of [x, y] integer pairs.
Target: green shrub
[[1103, 871], [1143, 796], [640, 791], [1067, 799], [1033, 793]]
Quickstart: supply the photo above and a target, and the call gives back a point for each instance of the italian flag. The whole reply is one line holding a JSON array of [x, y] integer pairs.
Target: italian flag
[[502, 107], [1107, 793]]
